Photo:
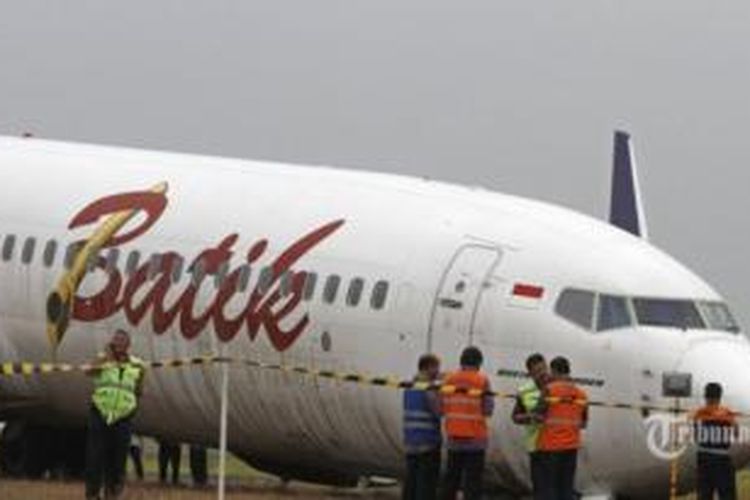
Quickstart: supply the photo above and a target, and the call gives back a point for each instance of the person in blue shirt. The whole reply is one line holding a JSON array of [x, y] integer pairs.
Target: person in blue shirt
[[422, 433]]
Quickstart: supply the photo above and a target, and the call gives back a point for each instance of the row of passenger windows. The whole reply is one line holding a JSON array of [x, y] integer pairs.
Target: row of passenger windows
[[331, 286], [612, 312]]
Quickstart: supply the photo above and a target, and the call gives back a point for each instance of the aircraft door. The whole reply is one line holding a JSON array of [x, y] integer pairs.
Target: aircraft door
[[455, 305]]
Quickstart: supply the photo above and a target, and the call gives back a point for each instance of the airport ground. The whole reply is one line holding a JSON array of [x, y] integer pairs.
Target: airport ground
[[243, 482]]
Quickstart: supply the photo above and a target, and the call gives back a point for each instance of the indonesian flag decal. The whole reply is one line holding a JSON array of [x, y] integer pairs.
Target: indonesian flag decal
[[526, 295]]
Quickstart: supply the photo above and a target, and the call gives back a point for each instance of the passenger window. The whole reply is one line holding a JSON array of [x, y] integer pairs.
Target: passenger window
[[8, 244], [311, 280], [154, 265], [244, 278], [613, 313], [50, 249], [132, 264], [112, 257], [354, 294], [331, 288], [265, 279], [27, 254], [177, 267], [379, 295], [70, 254], [576, 306], [199, 272], [286, 283], [221, 274]]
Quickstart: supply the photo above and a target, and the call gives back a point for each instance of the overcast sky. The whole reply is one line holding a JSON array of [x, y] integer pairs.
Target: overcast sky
[[520, 96]]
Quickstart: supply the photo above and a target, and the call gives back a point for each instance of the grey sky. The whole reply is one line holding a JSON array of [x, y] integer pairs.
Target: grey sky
[[520, 96]]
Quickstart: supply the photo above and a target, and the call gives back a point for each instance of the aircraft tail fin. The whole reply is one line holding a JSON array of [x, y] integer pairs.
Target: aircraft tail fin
[[626, 206]]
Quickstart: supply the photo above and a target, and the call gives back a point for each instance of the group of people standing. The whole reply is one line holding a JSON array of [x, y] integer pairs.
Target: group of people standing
[[550, 406]]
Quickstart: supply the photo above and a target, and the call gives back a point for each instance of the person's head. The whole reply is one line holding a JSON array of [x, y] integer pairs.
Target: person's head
[[429, 365], [713, 392], [120, 343], [471, 357], [560, 367], [536, 366]]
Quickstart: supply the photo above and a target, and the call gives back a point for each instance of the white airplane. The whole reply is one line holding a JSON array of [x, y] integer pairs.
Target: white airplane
[[348, 271]]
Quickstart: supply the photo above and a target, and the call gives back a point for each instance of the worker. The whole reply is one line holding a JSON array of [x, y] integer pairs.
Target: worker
[[422, 433], [199, 465], [169, 454], [529, 411], [465, 413], [118, 383], [715, 429], [560, 435]]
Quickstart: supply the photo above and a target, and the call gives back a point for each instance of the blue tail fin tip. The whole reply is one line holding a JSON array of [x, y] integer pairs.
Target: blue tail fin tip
[[626, 210]]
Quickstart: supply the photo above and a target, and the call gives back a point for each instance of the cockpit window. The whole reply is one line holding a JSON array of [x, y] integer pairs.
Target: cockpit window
[[670, 313], [613, 313], [719, 317], [576, 306]]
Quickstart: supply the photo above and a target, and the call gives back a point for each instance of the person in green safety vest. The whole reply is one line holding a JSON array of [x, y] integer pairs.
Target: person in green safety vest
[[529, 411], [118, 383]]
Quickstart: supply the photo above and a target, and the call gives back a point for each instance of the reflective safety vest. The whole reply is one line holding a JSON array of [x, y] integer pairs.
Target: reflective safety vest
[[563, 421], [115, 389], [714, 429], [530, 396], [421, 424], [464, 415]]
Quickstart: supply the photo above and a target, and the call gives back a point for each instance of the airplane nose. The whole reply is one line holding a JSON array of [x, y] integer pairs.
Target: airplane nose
[[728, 363]]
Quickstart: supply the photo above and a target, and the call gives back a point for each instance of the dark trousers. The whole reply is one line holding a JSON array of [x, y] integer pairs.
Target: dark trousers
[[422, 473], [464, 472], [558, 469], [169, 454], [106, 452], [136, 455], [199, 465], [716, 475], [538, 466]]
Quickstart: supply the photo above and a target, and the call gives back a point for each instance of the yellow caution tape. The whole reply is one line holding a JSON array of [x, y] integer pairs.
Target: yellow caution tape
[[9, 369]]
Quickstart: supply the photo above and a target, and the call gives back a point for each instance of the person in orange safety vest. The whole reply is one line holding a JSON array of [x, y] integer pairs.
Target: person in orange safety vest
[[560, 435], [465, 413]]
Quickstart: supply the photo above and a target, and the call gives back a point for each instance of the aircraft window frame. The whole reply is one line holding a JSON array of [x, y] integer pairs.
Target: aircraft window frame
[[27, 251], [652, 322], [625, 303], [576, 314], [331, 288], [379, 295], [49, 253], [9, 244], [354, 292], [308, 290]]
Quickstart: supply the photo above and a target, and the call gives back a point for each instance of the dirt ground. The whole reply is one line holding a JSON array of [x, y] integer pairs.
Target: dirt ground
[[43, 490]]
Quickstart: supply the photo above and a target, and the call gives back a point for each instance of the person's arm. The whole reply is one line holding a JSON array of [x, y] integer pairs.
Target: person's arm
[[488, 401], [141, 379], [434, 403], [520, 416], [95, 367], [585, 414]]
